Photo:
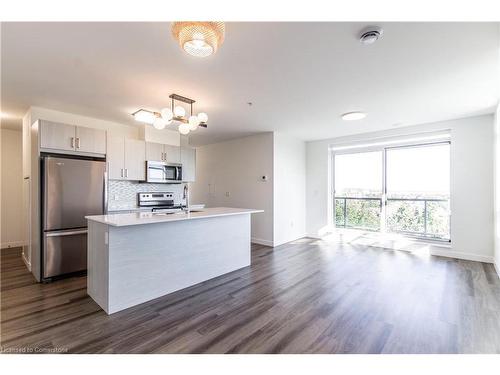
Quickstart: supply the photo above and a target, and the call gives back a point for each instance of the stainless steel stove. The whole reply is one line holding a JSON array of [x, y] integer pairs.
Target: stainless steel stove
[[159, 202]]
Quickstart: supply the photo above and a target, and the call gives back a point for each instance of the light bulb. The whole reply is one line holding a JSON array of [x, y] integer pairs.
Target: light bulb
[[167, 114], [179, 111], [203, 117], [159, 123], [184, 128], [193, 123]]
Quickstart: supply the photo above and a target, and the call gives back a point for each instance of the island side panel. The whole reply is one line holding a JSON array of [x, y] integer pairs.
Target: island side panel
[[151, 260], [97, 264]]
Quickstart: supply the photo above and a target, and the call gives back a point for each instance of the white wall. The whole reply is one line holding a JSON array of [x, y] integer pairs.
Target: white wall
[[12, 229], [236, 167], [472, 155], [289, 189], [497, 189]]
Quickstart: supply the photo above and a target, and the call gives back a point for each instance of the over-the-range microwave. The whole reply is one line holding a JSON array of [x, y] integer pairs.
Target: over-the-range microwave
[[166, 173]]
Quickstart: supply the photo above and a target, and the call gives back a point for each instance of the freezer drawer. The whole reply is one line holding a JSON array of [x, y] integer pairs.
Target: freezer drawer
[[64, 252]]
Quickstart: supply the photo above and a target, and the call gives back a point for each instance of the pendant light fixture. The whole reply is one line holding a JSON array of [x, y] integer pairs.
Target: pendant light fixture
[[176, 113], [199, 39]]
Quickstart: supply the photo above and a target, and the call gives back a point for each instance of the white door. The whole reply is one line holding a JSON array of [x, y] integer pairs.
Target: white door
[[90, 140], [115, 156], [57, 136], [173, 154], [135, 160], [188, 159], [154, 151]]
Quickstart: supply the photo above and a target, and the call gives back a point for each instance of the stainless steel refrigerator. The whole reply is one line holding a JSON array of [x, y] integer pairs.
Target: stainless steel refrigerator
[[71, 190]]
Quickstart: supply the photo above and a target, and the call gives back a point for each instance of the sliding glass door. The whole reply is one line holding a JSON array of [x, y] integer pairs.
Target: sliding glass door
[[358, 190], [402, 189], [418, 190]]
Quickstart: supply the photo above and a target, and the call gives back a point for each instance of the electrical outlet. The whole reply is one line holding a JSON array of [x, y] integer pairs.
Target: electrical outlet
[[228, 193]]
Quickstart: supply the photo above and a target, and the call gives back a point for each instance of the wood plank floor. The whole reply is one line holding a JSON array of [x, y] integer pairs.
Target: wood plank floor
[[308, 296]]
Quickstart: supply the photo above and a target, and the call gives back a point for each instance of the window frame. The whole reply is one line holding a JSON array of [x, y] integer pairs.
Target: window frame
[[384, 199]]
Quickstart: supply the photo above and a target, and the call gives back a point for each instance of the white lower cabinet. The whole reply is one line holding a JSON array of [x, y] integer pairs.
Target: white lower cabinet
[[126, 159]]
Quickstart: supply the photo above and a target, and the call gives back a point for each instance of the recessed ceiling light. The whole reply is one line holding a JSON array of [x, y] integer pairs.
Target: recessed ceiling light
[[352, 116]]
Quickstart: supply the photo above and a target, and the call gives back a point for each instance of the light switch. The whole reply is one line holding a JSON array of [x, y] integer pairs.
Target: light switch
[[228, 193]]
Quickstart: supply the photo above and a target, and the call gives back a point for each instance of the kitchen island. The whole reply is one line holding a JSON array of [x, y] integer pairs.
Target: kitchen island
[[136, 257]]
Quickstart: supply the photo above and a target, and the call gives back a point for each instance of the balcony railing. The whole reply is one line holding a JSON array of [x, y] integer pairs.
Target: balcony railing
[[418, 217]]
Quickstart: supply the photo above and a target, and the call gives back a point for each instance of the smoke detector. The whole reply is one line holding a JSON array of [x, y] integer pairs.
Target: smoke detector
[[370, 34]]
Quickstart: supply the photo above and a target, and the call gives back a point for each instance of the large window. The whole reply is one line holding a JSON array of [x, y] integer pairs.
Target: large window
[[358, 195], [395, 189]]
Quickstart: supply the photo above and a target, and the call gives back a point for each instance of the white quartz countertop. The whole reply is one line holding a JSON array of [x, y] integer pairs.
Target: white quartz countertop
[[140, 218]]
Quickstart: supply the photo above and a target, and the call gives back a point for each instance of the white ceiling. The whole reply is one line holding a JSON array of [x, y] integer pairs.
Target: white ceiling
[[299, 76]]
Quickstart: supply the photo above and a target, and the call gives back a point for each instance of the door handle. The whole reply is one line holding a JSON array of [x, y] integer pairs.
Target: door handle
[[126, 172], [67, 233], [77, 142], [72, 142], [121, 172]]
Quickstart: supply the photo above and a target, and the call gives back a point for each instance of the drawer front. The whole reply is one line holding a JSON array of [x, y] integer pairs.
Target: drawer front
[[64, 252]]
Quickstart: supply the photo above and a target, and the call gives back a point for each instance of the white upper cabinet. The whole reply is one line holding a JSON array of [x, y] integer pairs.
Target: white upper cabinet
[[173, 154], [115, 156], [126, 159], [164, 153], [90, 140], [155, 151], [135, 160], [57, 136], [63, 137], [188, 160]]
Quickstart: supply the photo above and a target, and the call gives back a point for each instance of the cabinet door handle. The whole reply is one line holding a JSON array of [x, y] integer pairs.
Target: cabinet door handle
[[126, 172], [72, 142], [163, 156], [121, 172], [77, 142]]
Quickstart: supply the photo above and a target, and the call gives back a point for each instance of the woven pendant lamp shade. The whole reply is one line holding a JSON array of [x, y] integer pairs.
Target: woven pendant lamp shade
[[199, 39]]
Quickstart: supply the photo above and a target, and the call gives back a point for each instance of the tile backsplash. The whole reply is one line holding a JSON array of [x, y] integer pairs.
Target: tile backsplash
[[122, 195]]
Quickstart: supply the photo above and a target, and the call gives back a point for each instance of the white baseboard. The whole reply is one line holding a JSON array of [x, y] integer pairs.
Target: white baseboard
[[290, 240], [26, 263], [497, 268], [260, 241], [6, 245], [314, 236], [459, 255]]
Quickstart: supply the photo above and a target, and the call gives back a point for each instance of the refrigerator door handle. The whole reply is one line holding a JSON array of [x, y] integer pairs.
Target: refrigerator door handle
[[66, 233]]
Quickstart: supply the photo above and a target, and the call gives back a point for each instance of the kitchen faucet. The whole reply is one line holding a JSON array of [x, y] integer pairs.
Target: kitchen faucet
[[186, 195]]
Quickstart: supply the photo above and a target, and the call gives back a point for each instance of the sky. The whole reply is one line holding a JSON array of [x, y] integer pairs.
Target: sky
[[424, 169]]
